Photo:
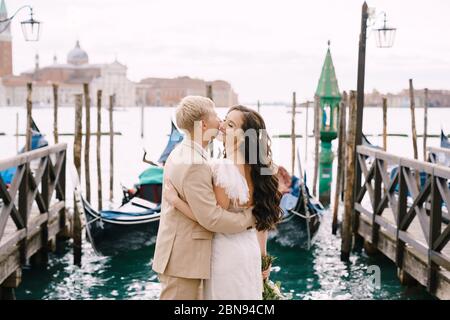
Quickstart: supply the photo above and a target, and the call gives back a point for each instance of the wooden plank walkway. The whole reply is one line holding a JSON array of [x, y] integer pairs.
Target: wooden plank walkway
[[401, 209], [415, 261]]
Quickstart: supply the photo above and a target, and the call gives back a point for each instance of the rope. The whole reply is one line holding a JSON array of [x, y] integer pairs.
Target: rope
[[308, 217]]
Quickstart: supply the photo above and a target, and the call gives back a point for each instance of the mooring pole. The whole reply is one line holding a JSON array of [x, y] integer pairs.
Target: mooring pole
[[29, 121], [385, 124], [341, 161], [294, 104], [306, 131], [209, 94], [359, 241], [317, 114], [77, 146], [350, 177], [111, 148], [425, 125], [55, 112], [412, 105], [17, 131], [99, 139], [142, 120], [87, 144]]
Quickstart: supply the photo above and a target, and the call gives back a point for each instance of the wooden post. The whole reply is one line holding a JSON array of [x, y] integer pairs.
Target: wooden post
[[385, 124], [65, 233], [40, 258], [341, 155], [142, 121], [99, 136], [87, 144], [425, 125], [259, 107], [55, 112], [413, 117], [209, 91], [76, 233], [412, 105], [317, 116], [294, 104], [29, 108], [17, 131], [306, 131], [24, 189], [344, 152], [349, 196], [111, 148], [209, 94], [360, 110]]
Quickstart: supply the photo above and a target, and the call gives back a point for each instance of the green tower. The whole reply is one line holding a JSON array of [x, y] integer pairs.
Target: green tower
[[328, 93]]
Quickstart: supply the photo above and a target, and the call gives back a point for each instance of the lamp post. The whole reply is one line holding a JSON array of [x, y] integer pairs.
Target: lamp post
[[31, 28], [384, 39]]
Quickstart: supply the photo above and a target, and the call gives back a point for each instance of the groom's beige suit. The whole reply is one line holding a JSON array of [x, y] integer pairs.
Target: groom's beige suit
[[182, 256]]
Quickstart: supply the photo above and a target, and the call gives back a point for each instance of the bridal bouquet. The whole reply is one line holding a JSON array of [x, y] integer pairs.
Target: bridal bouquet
[[271, 290]]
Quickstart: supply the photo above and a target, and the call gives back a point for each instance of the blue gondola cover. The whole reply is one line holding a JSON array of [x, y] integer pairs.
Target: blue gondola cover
[[175, 138]]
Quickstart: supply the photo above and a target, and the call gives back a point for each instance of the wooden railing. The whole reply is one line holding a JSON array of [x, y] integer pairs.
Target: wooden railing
[[390, 183], [44, 186]]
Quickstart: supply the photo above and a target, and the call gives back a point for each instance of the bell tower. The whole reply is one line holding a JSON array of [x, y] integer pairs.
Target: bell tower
[[5, 43]]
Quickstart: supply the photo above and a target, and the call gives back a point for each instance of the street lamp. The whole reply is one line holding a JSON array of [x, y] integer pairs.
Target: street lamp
[[385, 35], [31, 28]]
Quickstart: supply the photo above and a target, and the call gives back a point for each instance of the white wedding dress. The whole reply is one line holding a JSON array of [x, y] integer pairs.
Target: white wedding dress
[[235, 258]]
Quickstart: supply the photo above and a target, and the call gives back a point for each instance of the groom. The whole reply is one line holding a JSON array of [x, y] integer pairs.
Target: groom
[[182, 256]]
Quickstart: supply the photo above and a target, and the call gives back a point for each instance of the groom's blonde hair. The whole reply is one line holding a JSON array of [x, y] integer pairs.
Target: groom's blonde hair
[[192, 109]]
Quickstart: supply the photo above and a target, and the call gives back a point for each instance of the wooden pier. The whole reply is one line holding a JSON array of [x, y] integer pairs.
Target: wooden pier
[[33, 217], [407, 223]]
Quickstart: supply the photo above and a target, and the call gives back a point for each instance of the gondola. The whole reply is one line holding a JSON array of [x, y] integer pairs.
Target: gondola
[[135, 223], [301, 219], [298, 227], [440, 157], [129, 227]]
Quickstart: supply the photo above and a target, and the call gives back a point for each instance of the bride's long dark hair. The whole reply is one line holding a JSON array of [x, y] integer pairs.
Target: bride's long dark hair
[[258, 154]]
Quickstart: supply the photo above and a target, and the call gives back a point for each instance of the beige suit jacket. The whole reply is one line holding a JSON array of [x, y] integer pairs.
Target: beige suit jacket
[[183, 246]]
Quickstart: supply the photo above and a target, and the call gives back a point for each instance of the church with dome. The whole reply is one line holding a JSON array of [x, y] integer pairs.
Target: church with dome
[[111, 78]]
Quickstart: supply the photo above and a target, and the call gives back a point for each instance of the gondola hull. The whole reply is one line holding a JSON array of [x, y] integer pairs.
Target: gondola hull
[[110, 236], [296, 229], [292, 231]]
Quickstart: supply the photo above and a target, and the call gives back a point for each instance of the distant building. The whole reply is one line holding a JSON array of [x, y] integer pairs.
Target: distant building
[[169, 92], [111, 78], [436, 98]]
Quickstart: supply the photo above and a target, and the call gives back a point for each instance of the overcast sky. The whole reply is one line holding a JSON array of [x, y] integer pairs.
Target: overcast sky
[[265, 49]]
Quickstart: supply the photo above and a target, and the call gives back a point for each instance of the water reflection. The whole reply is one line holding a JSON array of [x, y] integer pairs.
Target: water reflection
[[316, 274]]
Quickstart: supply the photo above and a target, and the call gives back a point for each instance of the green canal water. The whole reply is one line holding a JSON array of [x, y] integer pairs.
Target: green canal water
[[314, 274]]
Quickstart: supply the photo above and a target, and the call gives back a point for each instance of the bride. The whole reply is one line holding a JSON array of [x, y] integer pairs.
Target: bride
[[244, 178]]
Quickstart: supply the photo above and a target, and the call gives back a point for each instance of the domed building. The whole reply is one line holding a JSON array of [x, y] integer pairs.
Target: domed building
[[111, 78], [77, 56]]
